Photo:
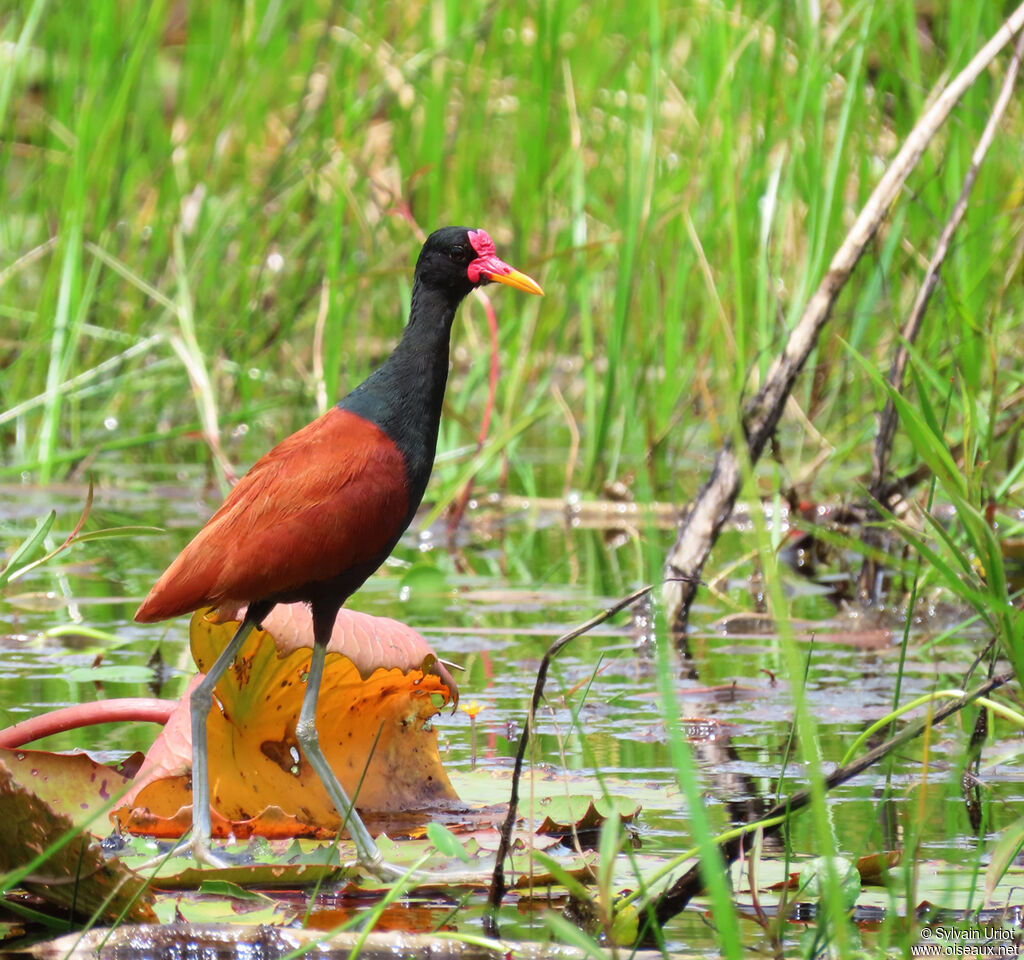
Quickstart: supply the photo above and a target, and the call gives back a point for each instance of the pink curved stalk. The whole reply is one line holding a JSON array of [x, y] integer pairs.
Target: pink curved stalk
[[148, 709], [492, 391]]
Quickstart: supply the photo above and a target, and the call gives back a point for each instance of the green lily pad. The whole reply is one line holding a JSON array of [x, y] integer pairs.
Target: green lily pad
[[562, 814]]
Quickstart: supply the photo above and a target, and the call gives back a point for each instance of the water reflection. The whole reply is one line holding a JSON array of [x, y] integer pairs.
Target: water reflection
[[520, 576]]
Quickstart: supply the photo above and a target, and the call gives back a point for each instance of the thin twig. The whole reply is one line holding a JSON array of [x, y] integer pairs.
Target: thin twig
[[462, 499], [676, 897], [319, 376], [887, 418], [27, 258], [498, 885]]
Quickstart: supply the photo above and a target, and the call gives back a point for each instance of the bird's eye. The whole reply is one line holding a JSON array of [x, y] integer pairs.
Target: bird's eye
[[458, 253]]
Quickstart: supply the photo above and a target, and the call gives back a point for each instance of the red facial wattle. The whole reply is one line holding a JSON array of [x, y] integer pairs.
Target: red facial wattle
[[488, 266]]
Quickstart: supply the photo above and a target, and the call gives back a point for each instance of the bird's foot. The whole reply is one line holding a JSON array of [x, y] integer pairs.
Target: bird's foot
[[390, 873], [378, 867], [198, 848], [202, 854]]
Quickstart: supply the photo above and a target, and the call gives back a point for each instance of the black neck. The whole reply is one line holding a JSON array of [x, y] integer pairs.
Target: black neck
[[404, 395]]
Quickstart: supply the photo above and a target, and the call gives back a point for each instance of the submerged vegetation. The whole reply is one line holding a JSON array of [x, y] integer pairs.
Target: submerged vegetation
[[208, 217]]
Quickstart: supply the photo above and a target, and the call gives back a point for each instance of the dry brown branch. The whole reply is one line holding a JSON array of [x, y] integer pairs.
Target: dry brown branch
[[676, 897], [498, 885], [879, 488], [701, 524], [887, 418]]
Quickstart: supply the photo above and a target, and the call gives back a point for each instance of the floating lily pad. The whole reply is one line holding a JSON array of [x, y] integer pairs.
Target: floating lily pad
[[74, 874]]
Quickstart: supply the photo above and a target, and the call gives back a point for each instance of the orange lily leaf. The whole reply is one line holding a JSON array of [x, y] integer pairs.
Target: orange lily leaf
[[373, 715]]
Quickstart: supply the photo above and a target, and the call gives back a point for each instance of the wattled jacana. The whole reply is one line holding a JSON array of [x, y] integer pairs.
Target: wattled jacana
[[320, 512]]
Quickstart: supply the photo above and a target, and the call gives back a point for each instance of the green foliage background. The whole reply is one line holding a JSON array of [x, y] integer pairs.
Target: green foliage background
[[180, 183]]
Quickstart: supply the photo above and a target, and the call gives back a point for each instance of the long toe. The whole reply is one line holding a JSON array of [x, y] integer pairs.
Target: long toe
[[389, 873], [203, 855], [200, 852], [385, 871]]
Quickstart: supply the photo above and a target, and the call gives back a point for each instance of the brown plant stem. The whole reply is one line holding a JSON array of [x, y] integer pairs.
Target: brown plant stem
[[676, 897], [498, 885], [701, 524]]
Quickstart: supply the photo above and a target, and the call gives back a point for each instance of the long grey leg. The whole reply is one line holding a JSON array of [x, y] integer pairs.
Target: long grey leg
[[199, 705], [306, 734]]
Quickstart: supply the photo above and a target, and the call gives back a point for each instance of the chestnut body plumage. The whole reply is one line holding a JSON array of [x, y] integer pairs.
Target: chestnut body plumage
[[320, 512], [342, 501]]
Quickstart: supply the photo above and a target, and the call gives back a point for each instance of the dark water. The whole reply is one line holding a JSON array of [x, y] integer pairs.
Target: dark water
[[514, 580]]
